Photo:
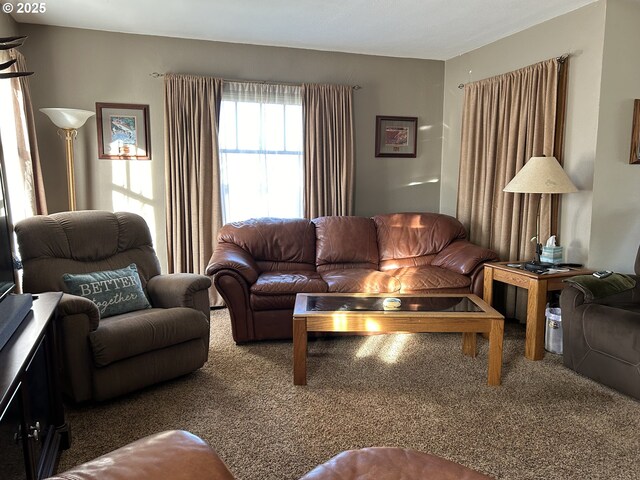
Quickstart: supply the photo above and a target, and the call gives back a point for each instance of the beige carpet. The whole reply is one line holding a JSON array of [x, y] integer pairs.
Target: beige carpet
[[415, 391]]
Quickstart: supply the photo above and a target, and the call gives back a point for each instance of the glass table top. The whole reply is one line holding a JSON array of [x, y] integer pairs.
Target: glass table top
[[330, 303]]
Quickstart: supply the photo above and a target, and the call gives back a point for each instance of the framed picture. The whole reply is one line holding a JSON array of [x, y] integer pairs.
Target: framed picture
[[396, 136], [635, 134], [123, 131]]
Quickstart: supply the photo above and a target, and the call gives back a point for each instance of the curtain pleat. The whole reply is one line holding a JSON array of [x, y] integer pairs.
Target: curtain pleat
[[328, 149], [506, 120], [192, 112]]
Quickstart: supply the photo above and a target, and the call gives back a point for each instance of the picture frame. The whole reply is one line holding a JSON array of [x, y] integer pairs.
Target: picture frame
[[634, 156], [396, 136], [123, 131]]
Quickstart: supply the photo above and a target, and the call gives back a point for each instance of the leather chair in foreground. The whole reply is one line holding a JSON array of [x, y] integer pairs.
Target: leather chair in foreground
[[601, 337], [179, 455], [106, 357]]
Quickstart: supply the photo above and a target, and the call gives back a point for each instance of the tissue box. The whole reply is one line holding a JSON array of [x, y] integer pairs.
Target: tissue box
[[551, 255]]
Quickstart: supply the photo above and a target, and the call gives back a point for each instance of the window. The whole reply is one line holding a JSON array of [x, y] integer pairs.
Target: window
[[16, 151], [261, 165]]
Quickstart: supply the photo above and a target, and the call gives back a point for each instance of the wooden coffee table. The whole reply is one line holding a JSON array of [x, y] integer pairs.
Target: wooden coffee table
[[352, 312]]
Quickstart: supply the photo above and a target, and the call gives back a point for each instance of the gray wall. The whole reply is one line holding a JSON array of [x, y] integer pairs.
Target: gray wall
[[580, 33], [8, 26], [76, 68], [615, 224]]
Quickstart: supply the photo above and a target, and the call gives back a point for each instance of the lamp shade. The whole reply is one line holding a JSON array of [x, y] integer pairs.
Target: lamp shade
[[67, 117], [541, 175]]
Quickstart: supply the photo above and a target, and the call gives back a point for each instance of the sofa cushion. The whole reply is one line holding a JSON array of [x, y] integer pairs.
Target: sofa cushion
[[130, 334], [428, 279], [413, 239], [273, 240], [345, 240], [284, 283], [360, 280]]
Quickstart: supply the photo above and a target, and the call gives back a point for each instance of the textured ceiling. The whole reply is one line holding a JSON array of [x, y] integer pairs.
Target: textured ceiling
[[429, 29]]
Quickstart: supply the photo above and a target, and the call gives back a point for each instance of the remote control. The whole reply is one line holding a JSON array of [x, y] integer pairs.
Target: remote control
[[602, 273]]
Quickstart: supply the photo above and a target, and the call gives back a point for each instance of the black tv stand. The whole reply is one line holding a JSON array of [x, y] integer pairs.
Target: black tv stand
[[33, 429]]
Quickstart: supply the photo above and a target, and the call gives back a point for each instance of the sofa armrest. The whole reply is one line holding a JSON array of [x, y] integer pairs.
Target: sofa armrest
[[162, 456], [180, 290], [232, 257], [77, 318], [81, 308], [463, 257]]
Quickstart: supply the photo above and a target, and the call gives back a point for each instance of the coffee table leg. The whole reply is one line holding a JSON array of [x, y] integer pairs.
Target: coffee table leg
[[300, 351], [495, 351], [469, 343]]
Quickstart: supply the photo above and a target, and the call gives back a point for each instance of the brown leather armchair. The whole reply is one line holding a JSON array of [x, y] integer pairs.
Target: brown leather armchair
[[601, 338], [107, 357], [177, 455]]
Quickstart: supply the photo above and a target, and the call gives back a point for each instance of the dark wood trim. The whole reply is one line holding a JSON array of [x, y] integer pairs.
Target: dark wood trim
[[634, 157]]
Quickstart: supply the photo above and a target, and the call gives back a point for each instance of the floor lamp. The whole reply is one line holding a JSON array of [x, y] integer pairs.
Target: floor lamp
[[68, 120], [540, 175]]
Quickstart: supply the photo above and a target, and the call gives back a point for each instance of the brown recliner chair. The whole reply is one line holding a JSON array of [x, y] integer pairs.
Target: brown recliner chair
[[601, 337], [106, 357]]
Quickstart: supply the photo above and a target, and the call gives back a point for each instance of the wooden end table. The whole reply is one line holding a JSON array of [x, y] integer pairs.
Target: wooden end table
[[363, 312], [538, 286]]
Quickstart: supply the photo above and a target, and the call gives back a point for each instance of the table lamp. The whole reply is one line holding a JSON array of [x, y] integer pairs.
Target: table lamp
[[540, 175], [68, 120]]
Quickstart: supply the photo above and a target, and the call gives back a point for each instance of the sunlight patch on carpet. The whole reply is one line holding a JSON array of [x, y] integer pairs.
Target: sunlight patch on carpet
[[386, 347], [393, 348]]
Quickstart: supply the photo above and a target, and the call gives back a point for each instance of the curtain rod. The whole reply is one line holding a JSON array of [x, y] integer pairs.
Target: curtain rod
[[262, 82], [561, 59]]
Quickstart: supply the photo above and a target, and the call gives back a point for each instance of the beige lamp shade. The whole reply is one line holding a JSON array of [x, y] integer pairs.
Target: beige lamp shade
[[67, 117], [541, 175]]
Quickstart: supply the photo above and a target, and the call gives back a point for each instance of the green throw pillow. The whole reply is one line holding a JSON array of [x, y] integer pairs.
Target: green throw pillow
[[113, 291]]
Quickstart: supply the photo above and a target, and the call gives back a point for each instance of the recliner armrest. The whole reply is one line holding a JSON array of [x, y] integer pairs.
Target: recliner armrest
[[631, 296], [232, 257], [74, 305], [178, 290], [463, 257]]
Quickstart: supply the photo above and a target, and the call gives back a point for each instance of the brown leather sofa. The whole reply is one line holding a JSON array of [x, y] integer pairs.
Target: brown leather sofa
[[106, 357], [259, 265], [601, 337], [179, 455]]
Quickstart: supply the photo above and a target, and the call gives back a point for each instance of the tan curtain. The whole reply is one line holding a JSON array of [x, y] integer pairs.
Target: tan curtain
[[192, 111], [30, 136], [328, 149], [507, 120], [23, 171]]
